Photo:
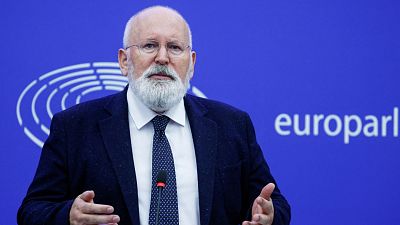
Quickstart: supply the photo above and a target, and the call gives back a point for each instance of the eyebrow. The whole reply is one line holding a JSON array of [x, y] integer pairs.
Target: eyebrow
[[169, 41]]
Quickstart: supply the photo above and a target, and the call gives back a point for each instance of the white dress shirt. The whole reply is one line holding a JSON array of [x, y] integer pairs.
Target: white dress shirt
[[181, 141]]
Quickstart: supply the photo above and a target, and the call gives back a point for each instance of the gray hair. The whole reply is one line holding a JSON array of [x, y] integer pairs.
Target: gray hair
[[129, 24]]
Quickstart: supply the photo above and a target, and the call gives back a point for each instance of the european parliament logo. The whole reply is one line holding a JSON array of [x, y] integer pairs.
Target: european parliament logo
[[332, 125], [64, 87]]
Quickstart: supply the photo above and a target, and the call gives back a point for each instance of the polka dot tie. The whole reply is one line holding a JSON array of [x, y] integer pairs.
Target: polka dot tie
[[163, 160]]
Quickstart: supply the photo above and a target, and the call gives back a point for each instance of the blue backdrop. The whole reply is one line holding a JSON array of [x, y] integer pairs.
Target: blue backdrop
[[319, 79]]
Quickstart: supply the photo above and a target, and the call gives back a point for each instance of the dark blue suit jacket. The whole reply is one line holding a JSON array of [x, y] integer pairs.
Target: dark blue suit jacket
[[89, 148]]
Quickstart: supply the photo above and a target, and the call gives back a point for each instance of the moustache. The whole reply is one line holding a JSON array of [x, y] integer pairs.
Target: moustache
[[161, 71]]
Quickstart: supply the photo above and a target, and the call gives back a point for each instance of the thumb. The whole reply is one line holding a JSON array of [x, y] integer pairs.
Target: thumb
[[87, 196], [267, 191]]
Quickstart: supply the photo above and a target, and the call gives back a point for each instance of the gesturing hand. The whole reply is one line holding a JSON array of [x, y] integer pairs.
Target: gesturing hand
[[263, 210], [84, 211]]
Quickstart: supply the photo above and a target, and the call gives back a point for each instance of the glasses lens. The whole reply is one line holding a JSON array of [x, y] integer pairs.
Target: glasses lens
[[149, 47], [175, 48]]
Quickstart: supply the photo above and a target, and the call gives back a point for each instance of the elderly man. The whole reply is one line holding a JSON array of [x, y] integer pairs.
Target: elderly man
[[101, 161]]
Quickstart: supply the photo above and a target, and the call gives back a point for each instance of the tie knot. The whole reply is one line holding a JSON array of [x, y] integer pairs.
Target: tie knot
[[160, 123]]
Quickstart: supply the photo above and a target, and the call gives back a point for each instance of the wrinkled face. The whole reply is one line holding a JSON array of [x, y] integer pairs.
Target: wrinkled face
[[158, 62], [164, 27]]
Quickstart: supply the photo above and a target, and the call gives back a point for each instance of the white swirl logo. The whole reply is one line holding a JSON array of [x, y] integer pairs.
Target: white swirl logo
[[65, 87]]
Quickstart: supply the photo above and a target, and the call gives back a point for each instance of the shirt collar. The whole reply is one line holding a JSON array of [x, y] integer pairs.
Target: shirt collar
[[142, 115]]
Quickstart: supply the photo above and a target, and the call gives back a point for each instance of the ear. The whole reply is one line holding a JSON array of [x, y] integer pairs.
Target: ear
[[123, 61], [193, 63]]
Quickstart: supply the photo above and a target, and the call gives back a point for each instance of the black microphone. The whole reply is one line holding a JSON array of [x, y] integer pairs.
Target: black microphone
[[161, 181]]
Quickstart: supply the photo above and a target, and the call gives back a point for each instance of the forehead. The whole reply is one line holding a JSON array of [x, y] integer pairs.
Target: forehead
[[159, 24]]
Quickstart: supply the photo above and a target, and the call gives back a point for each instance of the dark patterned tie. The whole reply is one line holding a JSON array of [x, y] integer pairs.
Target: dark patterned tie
[[163, 160]]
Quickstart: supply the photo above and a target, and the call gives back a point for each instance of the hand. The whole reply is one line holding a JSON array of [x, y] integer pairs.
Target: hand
[[263, 210], [84, 211]]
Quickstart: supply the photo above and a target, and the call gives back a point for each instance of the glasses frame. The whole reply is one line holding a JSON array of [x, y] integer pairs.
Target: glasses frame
[[139, 47]]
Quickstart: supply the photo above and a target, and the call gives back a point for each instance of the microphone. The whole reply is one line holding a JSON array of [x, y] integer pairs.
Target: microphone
[[161, 182]]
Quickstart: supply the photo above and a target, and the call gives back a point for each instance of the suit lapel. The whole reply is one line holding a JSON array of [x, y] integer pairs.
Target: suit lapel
[[116, 137], [204, 132]]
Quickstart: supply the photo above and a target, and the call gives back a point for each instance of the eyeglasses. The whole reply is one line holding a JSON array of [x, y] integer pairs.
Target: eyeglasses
[[152, 47]]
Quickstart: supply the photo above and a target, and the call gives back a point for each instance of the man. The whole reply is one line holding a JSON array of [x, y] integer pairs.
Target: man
[[101, 160]]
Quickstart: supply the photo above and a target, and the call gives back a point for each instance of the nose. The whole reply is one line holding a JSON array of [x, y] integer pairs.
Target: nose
[[162, 57]]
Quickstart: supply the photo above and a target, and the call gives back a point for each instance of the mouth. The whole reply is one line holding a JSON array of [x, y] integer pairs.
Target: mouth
[[161, 76]]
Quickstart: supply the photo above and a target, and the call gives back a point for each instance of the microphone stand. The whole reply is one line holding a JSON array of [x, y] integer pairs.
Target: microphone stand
[[161, 181], [158, 204]]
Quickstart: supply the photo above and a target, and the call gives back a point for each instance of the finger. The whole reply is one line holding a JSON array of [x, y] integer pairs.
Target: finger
[[256, 209], [249, 223], [253, 223], [267, 190], [99, 219], [87, 196], [265, 205], [262, 219], [91, 208]]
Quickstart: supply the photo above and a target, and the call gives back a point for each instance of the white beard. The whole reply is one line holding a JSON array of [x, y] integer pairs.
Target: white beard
[[158, 95]]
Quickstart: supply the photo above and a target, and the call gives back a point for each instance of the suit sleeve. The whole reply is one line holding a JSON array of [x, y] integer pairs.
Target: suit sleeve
[[47, 199], [259, 175]]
